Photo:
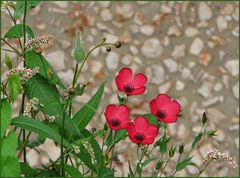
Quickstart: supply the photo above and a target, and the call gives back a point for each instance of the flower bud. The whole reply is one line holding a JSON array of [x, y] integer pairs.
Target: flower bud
[[158, 165], [204, 118], [118, 44], [94, 129], [38, 50], [71, 91], [172, 151], [181, 148]]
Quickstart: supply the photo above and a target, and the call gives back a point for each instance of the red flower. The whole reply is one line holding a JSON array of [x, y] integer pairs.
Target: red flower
[[117, 116], [141, 132], [129, 85], [165, 109]]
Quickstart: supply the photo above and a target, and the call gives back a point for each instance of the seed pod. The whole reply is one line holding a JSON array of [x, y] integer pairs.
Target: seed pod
[[38, 50], [204, 118], [118, 44], [94, 129], [158, 165], [108, 49], [172, 151]]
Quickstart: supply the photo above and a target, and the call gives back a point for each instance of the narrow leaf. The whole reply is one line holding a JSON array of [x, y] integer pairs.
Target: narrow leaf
[[9, 145], [196, 140], [20, 7], [86, 113], [6, 115], [14, 86], [8, 61], [120, 134], [180, 166], [45, 69], [38, 127], [17, 32]]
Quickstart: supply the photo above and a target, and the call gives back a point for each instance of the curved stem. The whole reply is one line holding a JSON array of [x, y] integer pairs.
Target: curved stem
[[12, 47], [201, 171], [164, 167]]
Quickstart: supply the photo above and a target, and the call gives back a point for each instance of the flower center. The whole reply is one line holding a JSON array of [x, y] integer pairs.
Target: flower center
[[129, 88], [160, 114], [115, 123], [139, 137]]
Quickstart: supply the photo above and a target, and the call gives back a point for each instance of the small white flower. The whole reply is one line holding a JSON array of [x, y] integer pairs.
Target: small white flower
[[76, 149], [51, 118]]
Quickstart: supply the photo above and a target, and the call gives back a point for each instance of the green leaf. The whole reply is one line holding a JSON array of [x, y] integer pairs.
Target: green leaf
[[151, 118], [49, 96], [38, 127], [79, 90], [181, 165], [212, 133], [109, 139], [17, 32], [27, 170], [45, 69], [106, 172], [120, 134], [9, 167], [147, 161], [9, 145], [8, 61], [78, 51], [6, 115], [86, 113], [71, 171], [122, 100], [196, 140], [14, 86], [20, 7], [162, 143]]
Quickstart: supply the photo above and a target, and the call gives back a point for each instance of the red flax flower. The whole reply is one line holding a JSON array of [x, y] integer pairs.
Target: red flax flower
[[141, 132], [129, 84], [117, 116], [165, 109]]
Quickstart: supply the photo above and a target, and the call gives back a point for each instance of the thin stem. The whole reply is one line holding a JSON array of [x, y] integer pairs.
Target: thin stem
[[175, 171], [164, 167], [201, 171], [16, 51], [24, 144], [8, 50]]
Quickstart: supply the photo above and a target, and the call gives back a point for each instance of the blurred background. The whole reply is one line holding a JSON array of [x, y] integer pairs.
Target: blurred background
[[188, 50]]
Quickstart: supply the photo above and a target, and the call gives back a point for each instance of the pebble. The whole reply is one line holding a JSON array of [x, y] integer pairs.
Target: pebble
[[197, 160], [32, 158], [66, 77], [64, 43], [124, 11], [186, 74], [174, 31], [205, 90], [235, 89], [191, 32], [170, 64], [196, 46], [165, 87], [217, 87], [96, 66], [112, 60], [205, 58], [106, 15], [179, 51], [56, 59], [212, 101], [179, 85], [221, 23], [133, 50], [147, 30], [233, 67], [139, 18], [220, 136], [158, 72], [152, 48], [227, 10], [215, 115], [127, 59], [204, 11], [237, 142], [223, 172]]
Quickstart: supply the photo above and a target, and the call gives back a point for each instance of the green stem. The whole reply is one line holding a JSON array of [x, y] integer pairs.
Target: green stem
[[12, 47], [164, 167], [24, 144], [201, 171]]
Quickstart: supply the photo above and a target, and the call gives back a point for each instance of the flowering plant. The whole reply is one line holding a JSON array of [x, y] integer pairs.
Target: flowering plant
[[46, 111]]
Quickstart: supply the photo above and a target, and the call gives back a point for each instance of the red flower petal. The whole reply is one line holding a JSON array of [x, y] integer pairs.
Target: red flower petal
[[124, 77], [139, 80], [131, 130], [141, 124], [173, 107], [151, 131], [169, 119], [110, 112], [153, 107], [122, 112], [138, 91], [163, 100], [148, 141], [125, 123]]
